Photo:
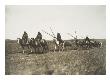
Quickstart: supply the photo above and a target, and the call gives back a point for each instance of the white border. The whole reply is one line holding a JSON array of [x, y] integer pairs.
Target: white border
[[40, 78], [55, 2]]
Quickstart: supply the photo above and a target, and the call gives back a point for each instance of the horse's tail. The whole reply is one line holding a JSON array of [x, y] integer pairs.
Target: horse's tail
[[100, 44]]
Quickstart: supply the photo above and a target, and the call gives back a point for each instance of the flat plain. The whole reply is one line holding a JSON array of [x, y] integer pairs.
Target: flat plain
[[68, 62]]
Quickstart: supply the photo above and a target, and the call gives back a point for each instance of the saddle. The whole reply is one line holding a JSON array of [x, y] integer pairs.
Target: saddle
[[25, 41], [61, 41]]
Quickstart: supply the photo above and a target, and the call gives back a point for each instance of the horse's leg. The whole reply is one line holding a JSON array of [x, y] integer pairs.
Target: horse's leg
[[23, 49], [42, 49], [35, 49], [47, 49], [100, 44], [59, 48], [55, 47], [38, 49], [27, 48], [31, 48], [63, 47]]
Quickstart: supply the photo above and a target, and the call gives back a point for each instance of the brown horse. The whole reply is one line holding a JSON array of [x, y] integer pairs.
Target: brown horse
[[23, 43], [39, 46]]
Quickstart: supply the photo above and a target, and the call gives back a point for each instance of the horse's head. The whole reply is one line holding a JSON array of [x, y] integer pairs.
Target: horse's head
[[32, 39], [42, 41], [18, 40], [54, 40], [91, 41]]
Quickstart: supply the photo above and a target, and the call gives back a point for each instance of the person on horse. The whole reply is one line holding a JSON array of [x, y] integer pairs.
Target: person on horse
[[59, 38], [87, 39], [25, 37], [38, 37]]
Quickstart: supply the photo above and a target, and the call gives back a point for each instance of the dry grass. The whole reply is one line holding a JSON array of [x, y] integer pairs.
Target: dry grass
[[71, 62]]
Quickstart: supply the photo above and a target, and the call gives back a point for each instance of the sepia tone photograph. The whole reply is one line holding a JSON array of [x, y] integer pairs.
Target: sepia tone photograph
[[55, 40]]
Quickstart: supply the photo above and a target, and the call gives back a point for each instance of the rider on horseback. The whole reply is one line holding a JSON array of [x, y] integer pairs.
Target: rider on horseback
[[38, 37], [59, 38], [25, 37], [87, 39]]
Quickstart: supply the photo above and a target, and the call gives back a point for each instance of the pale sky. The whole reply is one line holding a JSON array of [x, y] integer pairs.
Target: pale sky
[[88, 20]]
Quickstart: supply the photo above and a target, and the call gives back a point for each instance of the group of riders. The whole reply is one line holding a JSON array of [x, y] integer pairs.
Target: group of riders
[[39, 37], [85, 43], [38, 42], [88, 43]]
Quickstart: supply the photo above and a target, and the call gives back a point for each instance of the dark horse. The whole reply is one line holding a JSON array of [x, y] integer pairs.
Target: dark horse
[[39, 46], [23, 43]]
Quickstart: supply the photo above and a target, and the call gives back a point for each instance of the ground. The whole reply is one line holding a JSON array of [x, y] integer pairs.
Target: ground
[[70, 62]]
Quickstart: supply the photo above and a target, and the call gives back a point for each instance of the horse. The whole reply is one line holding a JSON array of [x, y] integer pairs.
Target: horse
[[23, 43], [44, 45], [91, 44], [41, 46], [79, 43], [67, 45], [32, 44], [97, 44], [58, 45], [82, 44]]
